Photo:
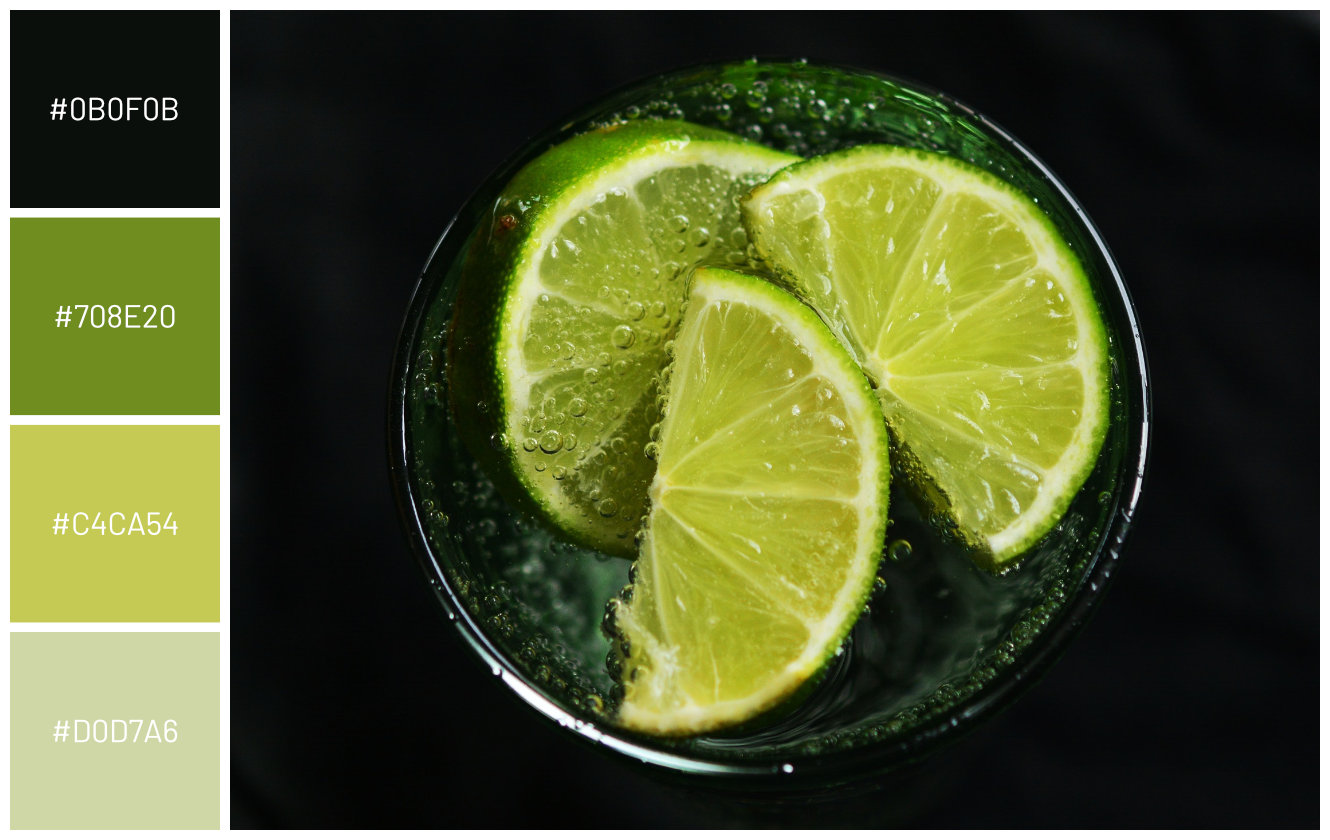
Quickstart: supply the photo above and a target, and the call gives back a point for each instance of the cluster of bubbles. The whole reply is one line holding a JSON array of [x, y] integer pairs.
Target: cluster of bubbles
[[802, 114]]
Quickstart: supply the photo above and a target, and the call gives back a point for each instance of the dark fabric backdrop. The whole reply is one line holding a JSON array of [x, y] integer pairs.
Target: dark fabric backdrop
[[1192, 140]]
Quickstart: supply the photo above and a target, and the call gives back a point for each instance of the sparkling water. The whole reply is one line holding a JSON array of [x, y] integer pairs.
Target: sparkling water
[[942, 639]]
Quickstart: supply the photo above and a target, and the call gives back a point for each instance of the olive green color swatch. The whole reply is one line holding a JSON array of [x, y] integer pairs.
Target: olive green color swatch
[[142, 298], [116, 485], [142, 747]]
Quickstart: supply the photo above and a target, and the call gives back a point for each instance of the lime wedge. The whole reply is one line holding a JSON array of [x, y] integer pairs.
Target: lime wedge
[[767, 513], [567, 299], [969, 313]]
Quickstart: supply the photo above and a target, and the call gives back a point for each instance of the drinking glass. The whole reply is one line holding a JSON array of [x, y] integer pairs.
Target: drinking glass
[[944, 644]]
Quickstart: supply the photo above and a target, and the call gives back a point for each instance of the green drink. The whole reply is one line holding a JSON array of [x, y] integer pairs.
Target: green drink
[[943, 643]]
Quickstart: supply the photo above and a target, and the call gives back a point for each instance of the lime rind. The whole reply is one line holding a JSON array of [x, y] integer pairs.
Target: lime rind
[[650, 656], [1050, 258], [589, 483]]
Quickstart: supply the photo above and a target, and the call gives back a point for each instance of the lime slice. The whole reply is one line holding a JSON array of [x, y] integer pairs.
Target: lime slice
[[969, 313], [567, 298], [767, 513]]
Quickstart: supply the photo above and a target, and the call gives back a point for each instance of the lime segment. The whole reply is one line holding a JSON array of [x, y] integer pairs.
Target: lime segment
[[568, 299], [767, 512], [970, 314]]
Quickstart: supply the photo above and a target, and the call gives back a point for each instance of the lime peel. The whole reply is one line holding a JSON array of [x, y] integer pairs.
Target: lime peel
[[566, 299], [744, 587], [971, 315]]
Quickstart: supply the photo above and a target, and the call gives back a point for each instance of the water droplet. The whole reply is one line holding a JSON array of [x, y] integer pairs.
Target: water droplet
[[728, 90], [623, 336]]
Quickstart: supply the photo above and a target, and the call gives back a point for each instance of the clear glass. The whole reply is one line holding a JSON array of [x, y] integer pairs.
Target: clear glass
[[944, 644]]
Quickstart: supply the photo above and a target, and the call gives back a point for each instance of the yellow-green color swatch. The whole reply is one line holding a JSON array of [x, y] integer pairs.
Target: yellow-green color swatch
[[114, 523], [114, 730], [115, 316]]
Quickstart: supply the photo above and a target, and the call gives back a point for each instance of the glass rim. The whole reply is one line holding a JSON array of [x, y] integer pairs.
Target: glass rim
[[891, 751]]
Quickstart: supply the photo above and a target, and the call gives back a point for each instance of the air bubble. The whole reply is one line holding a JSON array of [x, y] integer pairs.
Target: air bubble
[[623, 336], [607, 507], [529, 444], [551, 441], [899, 550], [679, 224], [577, 407], [756, 95]]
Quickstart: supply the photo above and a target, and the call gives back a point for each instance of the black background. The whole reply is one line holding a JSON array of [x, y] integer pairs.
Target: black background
[[1192, 697], [133, 163]]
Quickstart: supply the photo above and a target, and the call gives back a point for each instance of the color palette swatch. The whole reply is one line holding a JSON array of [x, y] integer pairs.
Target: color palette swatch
[[134, 538], [114, 316], [116, 431], [114, 730]]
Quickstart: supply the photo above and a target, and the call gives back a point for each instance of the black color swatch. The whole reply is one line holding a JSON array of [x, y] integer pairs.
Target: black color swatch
[[132, 161]]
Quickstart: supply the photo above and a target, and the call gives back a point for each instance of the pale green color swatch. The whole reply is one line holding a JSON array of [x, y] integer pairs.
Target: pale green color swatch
[[57, 677]]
